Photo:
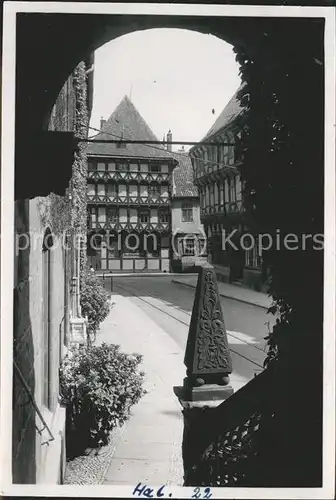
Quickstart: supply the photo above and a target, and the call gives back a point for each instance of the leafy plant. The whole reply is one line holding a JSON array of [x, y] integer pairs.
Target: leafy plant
[[94, 300], [99, 385]]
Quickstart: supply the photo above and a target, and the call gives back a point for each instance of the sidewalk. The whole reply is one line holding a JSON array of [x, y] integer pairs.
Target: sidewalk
[[149, 450], [230, 291]]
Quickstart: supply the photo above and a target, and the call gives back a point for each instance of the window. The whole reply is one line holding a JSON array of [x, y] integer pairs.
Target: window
[[101, 167], [225, 152], [92, 166], [231, 155], [133, 190], [112, 214], [144, 216], [207, 195], [111, 190], [101, 189], [203, 197], [46, 278], [233, 189], [212, 194], [216, 197], [221, 186], [164, 217], [101, 215], [154, 168], [92, 217], [122, 167], [220, 152], [202, 246], [91, 189], [189, 247], [154, 190], [187, 212], [252, 257]]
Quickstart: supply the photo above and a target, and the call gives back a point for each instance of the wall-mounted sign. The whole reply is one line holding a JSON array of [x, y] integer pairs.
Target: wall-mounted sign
[[78, 331]]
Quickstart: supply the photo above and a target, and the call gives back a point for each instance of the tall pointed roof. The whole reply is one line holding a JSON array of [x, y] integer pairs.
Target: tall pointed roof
[[231, 111], [127, 123]]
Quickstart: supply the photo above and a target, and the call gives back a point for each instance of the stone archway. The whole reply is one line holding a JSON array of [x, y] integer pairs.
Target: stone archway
[[44, 66]]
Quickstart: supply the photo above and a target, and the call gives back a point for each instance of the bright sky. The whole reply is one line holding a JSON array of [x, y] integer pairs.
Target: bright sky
[[174, 78]]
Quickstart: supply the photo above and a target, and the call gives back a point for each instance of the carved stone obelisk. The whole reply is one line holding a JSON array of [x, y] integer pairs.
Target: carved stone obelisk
[[208, 363], [207, 355]]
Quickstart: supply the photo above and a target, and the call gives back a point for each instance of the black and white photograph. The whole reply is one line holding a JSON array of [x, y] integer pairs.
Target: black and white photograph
[[168, 250]]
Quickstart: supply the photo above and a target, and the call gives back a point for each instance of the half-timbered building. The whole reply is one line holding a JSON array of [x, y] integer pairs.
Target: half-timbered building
[[188, 236], [129, 196], [220, 185]]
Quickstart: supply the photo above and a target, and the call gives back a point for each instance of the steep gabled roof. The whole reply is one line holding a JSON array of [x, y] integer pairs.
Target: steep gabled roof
[[127, 123], [183, 178], [231, 111]]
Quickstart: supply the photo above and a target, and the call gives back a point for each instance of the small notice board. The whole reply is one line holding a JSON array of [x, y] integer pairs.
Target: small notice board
[[78, 331]]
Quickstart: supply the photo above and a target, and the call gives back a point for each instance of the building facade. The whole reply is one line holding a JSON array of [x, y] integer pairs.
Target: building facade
[[220, 185], [188, 236], [44, 303], [129, 196]]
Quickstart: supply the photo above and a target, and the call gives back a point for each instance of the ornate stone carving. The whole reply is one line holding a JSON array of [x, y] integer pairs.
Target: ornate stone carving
[[207, 355], [212, 345]]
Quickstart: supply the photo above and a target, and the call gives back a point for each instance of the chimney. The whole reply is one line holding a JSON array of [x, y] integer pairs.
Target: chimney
[[169, 140], [102, 123]]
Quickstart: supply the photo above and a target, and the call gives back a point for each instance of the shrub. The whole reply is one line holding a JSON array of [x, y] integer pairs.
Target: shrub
[[99, 385], [94, 300]]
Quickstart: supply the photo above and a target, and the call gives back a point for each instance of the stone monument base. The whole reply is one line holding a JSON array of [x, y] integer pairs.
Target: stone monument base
[[204, 393]]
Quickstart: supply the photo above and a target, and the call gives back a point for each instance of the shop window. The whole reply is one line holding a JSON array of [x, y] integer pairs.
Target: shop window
[[187, 212], [189, 246], [252, 258]]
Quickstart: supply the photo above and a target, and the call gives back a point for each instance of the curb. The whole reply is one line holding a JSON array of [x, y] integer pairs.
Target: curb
[[226, 296]]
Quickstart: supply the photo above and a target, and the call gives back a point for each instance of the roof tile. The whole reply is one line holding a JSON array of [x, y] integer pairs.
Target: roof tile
[[127, 123], [183, 177]]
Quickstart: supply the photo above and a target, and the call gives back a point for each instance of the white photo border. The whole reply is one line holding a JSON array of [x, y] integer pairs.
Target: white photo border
[[7, 235]]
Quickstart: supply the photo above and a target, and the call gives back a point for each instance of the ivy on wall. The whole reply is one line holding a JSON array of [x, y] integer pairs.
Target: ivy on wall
[[67, 214], [79, 175], [283, 169]]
